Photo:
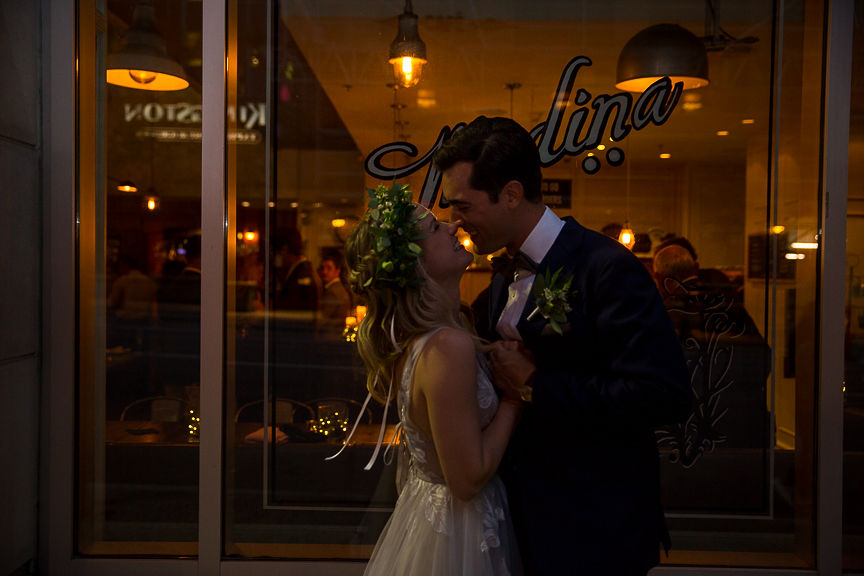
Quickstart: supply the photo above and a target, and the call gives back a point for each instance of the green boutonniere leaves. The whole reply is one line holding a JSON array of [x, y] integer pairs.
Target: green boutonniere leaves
[[552, 294]]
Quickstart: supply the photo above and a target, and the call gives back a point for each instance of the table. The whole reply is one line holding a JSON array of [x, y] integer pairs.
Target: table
[[151, 480]]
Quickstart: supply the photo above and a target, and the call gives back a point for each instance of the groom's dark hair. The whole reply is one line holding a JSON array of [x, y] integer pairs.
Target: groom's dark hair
[[499, 150]]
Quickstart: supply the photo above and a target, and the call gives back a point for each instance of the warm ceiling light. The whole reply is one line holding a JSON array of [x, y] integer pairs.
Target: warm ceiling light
[[627, 237], [691, 106], [794, 256], [127, 186], [251, 236], [805, 245], [426, 99], [665, 155], [337, 222], [692, 101], [748, 121], [778, 229], [152, 203], [662, 50], [722, 132], [143, 61], [245, 204], [407, 51]]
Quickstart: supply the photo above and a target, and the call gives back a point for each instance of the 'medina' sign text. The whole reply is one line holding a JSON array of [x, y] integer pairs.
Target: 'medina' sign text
[[654, 106]]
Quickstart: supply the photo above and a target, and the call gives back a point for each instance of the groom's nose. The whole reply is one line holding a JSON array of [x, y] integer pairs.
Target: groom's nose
[[455, 214]]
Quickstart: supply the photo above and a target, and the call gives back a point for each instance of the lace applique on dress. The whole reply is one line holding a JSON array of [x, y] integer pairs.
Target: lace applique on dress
[[436, 504], [486, 397], [493, 515]]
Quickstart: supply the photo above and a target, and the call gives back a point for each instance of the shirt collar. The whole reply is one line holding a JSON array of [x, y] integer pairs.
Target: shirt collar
[[541, 238]]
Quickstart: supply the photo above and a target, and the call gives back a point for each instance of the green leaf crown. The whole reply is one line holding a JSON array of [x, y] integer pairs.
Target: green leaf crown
[[395, 231]]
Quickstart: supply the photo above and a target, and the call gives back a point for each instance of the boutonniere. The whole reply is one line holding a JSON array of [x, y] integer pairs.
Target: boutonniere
[[552, 293]]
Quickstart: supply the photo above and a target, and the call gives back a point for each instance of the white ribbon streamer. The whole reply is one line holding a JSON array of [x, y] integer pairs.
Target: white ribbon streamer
[[383, 418], [383, 429], [354, 428]]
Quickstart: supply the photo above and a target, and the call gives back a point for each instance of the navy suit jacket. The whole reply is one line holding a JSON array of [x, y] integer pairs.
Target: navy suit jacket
[[582, 469]]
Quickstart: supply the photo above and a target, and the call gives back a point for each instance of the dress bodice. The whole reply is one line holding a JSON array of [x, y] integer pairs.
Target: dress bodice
[[424, 458], [430, 531]]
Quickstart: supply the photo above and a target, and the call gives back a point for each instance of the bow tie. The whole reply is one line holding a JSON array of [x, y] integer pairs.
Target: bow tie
[[510, 267]]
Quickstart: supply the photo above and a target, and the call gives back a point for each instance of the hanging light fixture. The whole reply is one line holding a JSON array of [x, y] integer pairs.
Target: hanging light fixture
[[662, 50], [626, 236], [670, 50], [143, 61], [407, 51]]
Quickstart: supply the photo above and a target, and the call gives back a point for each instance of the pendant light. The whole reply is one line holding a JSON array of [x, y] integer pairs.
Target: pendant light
[[662, 50], [670, 50], [407, 51], [127, 186], [626, 236], [142, 62]]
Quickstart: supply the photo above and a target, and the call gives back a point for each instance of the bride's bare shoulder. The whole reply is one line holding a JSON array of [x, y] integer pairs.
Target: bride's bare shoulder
[[450, 341]]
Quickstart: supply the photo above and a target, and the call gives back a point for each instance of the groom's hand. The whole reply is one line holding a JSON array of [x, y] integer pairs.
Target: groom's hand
[[512, 367]]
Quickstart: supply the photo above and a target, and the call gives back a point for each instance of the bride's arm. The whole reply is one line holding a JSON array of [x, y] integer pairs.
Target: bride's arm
[[446, 379]]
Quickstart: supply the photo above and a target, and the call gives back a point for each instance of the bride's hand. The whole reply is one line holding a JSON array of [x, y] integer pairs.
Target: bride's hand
[[512, 367]]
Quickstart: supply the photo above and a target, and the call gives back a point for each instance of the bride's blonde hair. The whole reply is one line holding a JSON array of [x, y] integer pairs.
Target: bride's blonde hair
[[395, 315]]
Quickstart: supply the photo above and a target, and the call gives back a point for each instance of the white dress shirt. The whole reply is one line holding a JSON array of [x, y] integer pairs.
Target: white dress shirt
[[536, 246]]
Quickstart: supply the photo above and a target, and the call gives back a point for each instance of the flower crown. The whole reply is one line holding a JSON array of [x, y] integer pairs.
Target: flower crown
[[395, 231]]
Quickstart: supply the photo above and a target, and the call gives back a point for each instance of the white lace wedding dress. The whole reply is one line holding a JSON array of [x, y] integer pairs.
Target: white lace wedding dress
[[432, 533]]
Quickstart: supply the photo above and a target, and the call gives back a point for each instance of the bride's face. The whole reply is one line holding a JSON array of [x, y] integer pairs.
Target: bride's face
[[444, 258]]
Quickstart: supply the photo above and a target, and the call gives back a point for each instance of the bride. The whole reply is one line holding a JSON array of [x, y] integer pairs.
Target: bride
[[451, 517]]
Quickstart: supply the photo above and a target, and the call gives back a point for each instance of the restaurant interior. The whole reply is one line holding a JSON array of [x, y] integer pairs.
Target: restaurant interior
[[732, 166]]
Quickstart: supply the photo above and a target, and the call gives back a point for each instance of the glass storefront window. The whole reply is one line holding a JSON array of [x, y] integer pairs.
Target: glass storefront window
[[293, 377], [140, 285], [729, 169], [738, 477]]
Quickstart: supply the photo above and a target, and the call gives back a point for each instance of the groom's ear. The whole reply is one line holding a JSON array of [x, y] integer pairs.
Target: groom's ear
[[512, 194]]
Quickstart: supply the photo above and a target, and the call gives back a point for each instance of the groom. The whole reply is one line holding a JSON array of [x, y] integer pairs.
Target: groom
[[597, 361]]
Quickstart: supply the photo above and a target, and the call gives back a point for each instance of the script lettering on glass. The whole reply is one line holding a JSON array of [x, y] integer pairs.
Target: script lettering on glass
[[584, 129]]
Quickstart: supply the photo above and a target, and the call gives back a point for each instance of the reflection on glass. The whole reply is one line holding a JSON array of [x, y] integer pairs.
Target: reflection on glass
[[295, 383], [739, 473], [139, 400]]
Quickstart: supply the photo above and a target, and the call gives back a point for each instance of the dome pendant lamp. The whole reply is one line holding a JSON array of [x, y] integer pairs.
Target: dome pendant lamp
[[662, 50], [142, 62], [407, 51]]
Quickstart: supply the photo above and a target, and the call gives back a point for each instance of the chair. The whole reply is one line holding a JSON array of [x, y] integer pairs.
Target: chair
[[155, 409], [288, 411]]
